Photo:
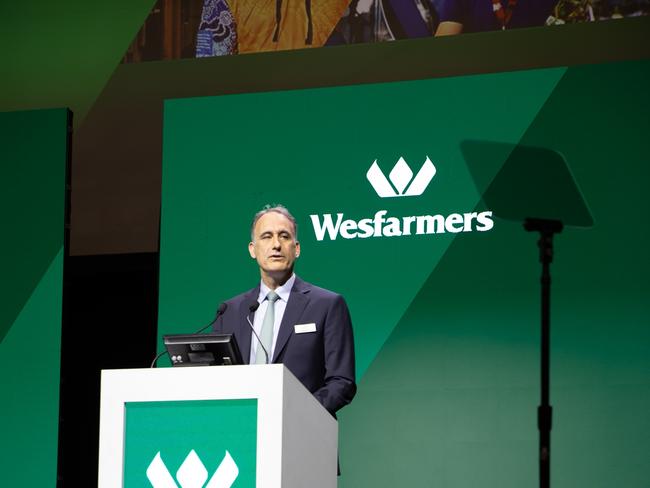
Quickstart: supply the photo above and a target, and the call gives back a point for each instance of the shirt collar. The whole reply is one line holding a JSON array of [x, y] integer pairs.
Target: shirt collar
[[283, 291]]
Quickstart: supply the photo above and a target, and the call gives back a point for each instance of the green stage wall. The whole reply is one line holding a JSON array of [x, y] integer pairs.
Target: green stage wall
[[446, 324], [33, 155]]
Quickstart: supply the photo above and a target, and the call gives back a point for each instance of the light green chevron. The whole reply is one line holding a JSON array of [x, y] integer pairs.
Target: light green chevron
[[30, 356], [450, 399]]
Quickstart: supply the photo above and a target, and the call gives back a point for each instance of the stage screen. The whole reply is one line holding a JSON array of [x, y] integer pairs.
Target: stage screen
[[389, 184], [33, 151]]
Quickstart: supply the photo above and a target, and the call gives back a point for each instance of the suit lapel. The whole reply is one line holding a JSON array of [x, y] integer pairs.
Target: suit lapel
[[244, 328], [298, 300]]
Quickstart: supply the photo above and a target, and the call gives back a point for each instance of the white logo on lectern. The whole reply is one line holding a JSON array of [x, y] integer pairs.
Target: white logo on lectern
[[192, 473], [401, 176]]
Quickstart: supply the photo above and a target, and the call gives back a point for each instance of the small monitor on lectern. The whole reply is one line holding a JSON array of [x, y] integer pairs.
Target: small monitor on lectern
[[202, 349]]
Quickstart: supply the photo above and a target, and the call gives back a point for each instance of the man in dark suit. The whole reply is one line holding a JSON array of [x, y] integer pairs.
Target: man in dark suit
[[304, 327]]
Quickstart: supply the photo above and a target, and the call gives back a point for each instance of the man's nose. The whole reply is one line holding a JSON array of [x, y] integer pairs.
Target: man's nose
[[276, 242]]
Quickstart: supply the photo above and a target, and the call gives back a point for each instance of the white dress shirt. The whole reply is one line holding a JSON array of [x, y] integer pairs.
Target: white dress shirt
[[280, 306]]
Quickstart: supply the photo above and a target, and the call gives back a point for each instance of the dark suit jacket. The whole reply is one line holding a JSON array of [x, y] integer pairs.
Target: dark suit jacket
[[323, 360]]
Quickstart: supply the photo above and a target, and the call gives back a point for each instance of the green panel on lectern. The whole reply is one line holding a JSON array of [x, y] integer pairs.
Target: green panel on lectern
[[167, 443]]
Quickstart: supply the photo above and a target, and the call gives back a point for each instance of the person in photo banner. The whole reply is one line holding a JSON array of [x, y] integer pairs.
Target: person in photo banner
[[217, 34], [465, 16], [287, 320], [245, 26]]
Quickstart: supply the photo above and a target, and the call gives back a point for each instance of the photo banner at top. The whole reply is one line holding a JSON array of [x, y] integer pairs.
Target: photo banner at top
[[208, 28]]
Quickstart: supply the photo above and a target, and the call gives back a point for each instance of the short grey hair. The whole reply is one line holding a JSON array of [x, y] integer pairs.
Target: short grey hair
[[277, 208]]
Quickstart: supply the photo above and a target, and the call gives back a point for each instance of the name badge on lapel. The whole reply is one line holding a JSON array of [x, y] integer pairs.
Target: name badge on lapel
[[304, 328]]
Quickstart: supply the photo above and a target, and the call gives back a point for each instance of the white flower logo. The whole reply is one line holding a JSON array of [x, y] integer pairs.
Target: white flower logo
[[401, 177], [192, 473]]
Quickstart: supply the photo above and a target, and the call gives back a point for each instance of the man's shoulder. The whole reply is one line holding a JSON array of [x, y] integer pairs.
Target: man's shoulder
[[302, 286]]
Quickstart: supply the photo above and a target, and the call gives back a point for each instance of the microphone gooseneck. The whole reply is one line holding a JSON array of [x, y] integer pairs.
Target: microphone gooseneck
[[220, 311], [252, 308]]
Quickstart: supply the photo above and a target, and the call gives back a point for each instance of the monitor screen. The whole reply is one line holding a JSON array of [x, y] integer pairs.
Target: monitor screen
[[202, 349]]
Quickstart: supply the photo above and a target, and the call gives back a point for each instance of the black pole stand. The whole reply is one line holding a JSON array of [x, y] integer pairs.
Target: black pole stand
[[547, 229]]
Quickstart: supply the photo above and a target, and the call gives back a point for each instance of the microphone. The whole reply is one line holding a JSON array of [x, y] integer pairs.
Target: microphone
[[252, 308], [220, 311], [222, 308]]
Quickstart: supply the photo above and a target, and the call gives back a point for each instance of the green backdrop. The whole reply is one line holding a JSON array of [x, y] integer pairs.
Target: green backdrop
[[33, 155], [446, 325]]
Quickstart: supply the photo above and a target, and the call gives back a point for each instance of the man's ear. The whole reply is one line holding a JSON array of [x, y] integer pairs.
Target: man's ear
[[251, 250], [297, 249]]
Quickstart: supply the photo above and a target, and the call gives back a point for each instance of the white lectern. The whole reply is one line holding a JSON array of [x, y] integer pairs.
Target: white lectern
[[213, 427]]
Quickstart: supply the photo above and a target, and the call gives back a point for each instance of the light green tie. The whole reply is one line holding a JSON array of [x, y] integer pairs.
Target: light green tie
[[266, 335]]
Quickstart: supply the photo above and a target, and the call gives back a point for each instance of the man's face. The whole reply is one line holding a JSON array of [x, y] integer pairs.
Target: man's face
[[274, 244]]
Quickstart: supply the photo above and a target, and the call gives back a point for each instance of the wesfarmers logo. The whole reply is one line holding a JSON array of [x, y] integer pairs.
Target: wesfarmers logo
[[402, 184], [400, 176], [192, 473]]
